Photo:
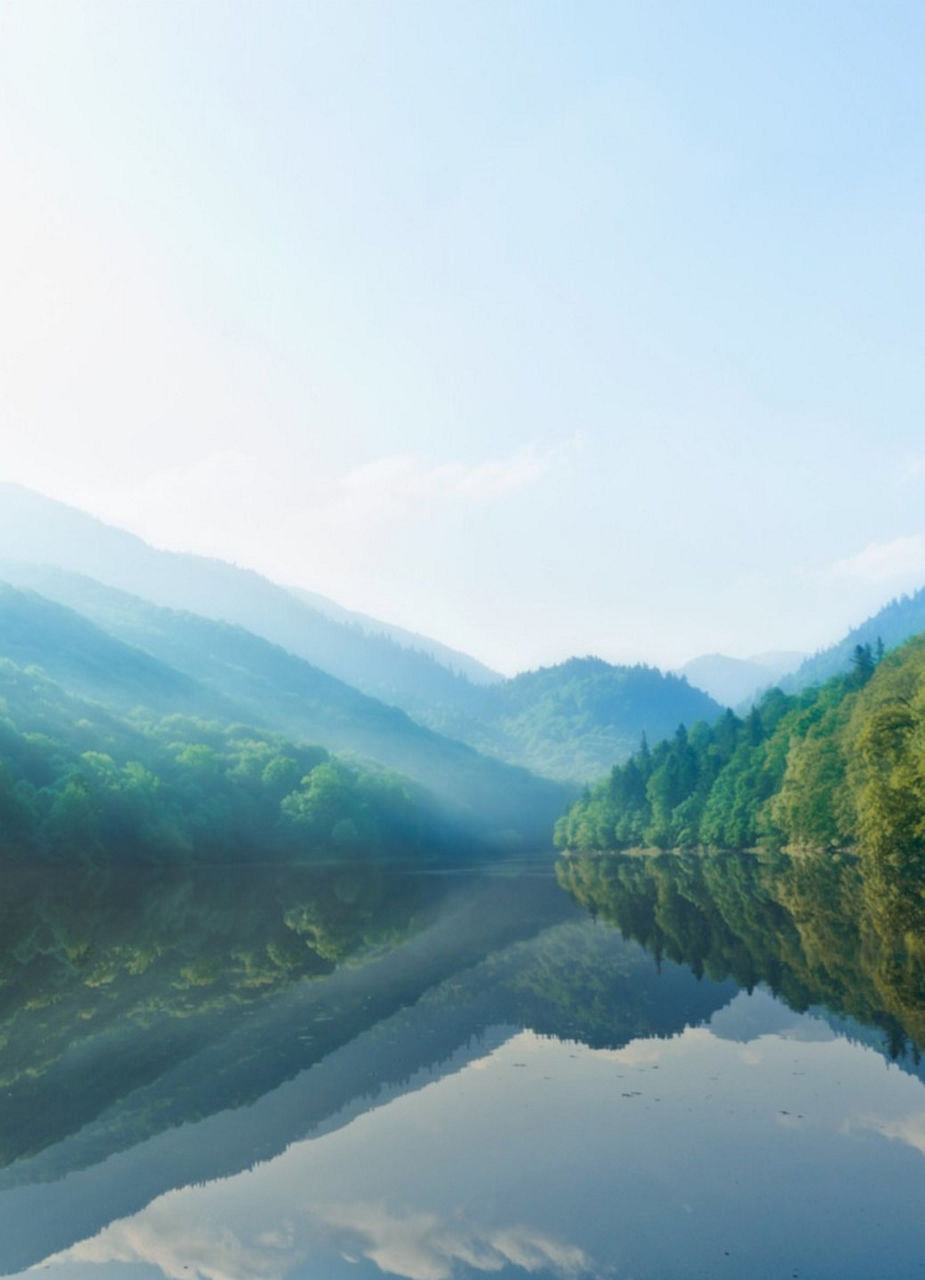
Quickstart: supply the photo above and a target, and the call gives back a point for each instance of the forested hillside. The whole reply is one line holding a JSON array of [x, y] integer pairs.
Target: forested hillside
[[134, 655], [840, 765], [571, 721], [568, 722], [79, 783], [36, 530], [891, 626]]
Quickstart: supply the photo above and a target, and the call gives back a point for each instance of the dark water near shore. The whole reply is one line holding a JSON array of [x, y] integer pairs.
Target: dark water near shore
[[643, 1068]]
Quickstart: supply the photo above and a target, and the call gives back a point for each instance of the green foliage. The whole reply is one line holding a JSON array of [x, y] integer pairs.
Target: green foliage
[[132, 657], [838, 766], [572, 720], [99, 789]]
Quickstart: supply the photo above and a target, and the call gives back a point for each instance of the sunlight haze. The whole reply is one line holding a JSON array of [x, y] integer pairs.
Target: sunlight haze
[[481, 318]]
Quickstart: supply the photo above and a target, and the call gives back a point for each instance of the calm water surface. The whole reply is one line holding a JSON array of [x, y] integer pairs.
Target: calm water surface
[[638, 1068]]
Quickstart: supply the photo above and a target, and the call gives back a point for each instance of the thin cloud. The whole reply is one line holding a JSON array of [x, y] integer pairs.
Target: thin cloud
[[424, 1246], [182, 1252], [410, 1244], [226, 489], [902, 558], [394, 484], [909, 1129]]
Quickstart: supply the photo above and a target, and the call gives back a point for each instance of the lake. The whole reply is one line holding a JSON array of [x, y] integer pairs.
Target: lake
[[640, 1067]]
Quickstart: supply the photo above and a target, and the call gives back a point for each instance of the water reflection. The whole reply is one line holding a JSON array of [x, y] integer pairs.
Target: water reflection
[[356, 1071], [818, 929]]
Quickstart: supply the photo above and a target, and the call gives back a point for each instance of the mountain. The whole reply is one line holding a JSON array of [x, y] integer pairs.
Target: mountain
[[733, 681], [82, 658], [38, 530], [894, 624], [126, 653], [78, 789], [575, 720], [456, 661], [569, 722]]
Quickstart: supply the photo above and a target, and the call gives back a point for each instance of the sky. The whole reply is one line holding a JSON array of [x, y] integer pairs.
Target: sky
[[541, 328]]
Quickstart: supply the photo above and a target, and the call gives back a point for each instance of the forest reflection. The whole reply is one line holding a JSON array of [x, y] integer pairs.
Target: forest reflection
[[818, 929], [133, 1000]]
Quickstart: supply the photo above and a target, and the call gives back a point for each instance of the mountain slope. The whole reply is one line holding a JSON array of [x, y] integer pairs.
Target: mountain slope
[[837, 766], [573, 720], [39, 530], [460, 663], [212, 669], [81, 790], [82, 658], [894, 624], [732, 681], [568, 722]]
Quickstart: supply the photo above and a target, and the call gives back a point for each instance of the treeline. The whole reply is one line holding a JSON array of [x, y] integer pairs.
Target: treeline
[[75, 781], [842, 765]]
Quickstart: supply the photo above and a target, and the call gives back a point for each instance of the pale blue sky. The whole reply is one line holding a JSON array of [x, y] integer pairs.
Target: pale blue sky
[[542, 328]]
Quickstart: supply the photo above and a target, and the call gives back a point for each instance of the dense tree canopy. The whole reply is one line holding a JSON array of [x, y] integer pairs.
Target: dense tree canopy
[[78, 782], [836, 766]]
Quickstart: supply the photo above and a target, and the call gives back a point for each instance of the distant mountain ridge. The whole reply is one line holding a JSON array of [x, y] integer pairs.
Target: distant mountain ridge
[[733, 681], [576, 719], [569, 722], [39, 530], [125, 654], [461, 663], [898, 621]]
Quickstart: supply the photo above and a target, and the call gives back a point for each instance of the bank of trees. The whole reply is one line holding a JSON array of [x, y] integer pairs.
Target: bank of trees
[[99, 788], [839, 765]]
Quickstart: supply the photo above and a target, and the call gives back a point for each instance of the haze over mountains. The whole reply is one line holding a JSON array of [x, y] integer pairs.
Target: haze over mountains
[[896, 622], [129, 626], [273, 654], [37, 530], [737, 682], [732, 681], [216, 672], [461, 663]]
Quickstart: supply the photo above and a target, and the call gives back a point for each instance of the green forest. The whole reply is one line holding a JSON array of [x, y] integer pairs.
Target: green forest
[[841, 765], [79, 782]]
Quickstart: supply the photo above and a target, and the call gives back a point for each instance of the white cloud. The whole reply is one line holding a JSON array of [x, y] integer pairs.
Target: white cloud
[[392, 485], [216, 504], [411, 1244], [902, 558], [185, 1252], [423, 1246], [638, 1053], [909, 1129]]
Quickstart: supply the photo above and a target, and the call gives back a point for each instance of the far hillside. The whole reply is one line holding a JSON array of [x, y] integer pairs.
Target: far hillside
[[401, 669], [461, 663], [133, 658], [734, 681], [572, 721], [892, 625], [567, 723]]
